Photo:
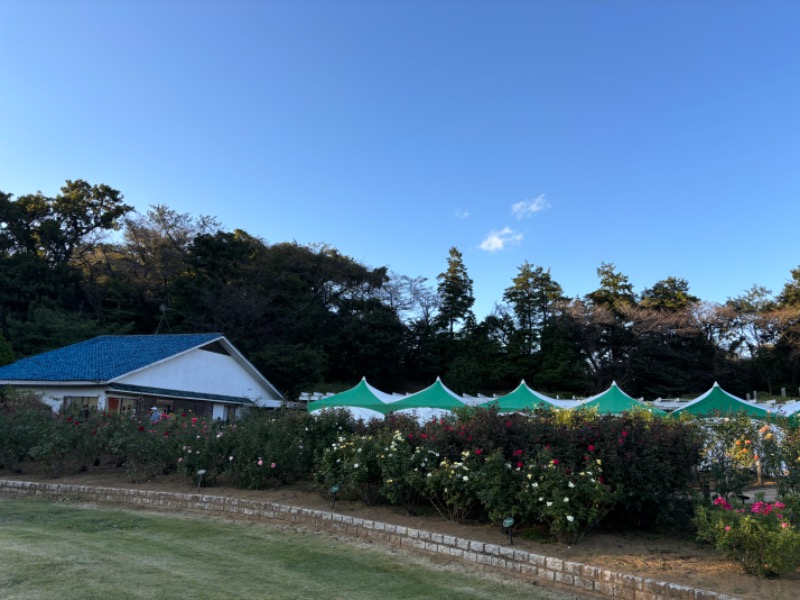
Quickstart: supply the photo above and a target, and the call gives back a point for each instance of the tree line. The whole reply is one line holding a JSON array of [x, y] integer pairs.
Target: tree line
[[84, 263]]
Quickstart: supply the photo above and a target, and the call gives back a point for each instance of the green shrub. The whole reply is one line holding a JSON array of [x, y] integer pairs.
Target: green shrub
[[762, 539], [499, 490], [143, 448], [279, 446], [200, 444], [451, 486], [571, 502], [404, 467], [23, 418], [789, 458], [653, 460], [729, 454], [353, 465]]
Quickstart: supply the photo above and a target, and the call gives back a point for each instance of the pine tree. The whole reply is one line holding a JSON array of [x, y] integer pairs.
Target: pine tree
[[455, 293]]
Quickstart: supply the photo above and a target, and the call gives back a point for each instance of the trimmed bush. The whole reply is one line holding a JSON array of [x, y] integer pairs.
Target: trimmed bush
[[761, 538]]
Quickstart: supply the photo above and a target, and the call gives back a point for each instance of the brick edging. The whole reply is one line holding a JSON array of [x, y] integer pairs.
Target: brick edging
[[520, 563]]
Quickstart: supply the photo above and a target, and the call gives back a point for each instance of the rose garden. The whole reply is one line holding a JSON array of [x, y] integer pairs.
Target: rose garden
[[560, 474]]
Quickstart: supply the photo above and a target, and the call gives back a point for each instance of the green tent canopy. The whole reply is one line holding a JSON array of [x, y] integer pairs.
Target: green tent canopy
[[362, 396], [522, 398], [436, 396], [614, 402], [717, 401]]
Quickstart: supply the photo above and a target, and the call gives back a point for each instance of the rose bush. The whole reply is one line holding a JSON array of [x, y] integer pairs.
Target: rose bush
[[761, 537]]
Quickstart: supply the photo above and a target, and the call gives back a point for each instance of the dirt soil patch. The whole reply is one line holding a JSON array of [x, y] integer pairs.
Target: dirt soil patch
[[655, 556]]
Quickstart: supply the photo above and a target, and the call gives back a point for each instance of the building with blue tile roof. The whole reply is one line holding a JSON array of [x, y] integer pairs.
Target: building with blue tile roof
[[201, 372]]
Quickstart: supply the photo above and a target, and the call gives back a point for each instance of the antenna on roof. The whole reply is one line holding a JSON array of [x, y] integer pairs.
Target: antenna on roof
[[162, 308]]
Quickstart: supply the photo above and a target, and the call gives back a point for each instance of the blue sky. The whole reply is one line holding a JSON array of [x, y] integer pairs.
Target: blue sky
[[662, 136]]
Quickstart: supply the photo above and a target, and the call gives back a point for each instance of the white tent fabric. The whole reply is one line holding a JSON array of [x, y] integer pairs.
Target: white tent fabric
[[474, 400], [566, 403], [423, 415], [364, 413], [789, 409]]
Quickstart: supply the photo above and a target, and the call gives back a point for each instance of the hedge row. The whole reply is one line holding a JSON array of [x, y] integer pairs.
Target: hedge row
[[570, 470]]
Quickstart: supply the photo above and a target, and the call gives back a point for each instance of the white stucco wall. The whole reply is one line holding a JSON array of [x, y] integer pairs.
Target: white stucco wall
[[54, 396], [205, 372]]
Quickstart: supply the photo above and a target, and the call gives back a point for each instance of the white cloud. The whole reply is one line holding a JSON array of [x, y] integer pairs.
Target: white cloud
[[462, 214], [498, 240], [527, 208]]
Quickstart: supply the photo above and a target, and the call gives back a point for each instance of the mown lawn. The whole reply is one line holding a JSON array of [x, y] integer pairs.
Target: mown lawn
[[61, 551]]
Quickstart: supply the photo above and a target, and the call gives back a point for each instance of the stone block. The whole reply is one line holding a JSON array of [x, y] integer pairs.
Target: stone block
[[564, 578], [604, 588], [554, 564]]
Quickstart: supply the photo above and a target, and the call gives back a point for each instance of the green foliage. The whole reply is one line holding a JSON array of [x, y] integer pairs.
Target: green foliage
[[404, 467], [6, 352], [571, 502], [279, 446], [23, 416], [670, 294], [761, 538], [499, 489], [141, 447], [615, 288], [455, 293], [67, 441], [542, 489], [730, 453], [46, 327], [451, 486], [786, 468], [653, 460], [199, 444], [352, 463], [56, 229], [532, 297]]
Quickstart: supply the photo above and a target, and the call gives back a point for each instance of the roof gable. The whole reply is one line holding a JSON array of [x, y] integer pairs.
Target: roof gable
[[103, 358], [522, 398], [614, 401], [362, 395], [436, 395], [716, 400]]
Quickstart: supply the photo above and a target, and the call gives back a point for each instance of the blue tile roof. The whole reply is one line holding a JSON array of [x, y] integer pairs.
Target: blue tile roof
[[102, 358]]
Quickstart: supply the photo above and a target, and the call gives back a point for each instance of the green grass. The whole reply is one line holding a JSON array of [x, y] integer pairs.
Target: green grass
[[60, 552]]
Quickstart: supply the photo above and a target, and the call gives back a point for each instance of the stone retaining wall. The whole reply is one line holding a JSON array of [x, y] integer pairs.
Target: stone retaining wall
[[528, 566]]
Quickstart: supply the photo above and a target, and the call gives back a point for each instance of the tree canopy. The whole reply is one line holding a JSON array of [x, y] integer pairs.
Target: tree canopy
[[308, 315]]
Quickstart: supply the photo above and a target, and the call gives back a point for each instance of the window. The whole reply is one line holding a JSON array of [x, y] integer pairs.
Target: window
[[81, 401]]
